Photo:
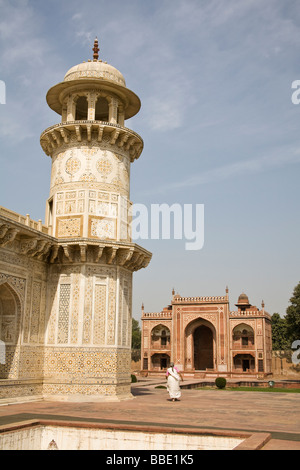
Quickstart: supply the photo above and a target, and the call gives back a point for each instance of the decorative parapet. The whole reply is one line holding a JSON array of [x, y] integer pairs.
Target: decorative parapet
[[155, 315], [27, 236], [25, 220], [249, 313], [118, 135], [216, 299]]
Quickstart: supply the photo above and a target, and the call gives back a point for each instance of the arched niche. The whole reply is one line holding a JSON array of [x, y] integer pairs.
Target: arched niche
[[10, 310], [243, 335], [160, 336], [160, 361]]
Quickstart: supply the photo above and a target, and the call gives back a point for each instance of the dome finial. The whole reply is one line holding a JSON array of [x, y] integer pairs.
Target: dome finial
[[96, 49]]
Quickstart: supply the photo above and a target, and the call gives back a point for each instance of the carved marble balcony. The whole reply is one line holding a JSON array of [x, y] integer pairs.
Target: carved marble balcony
[[89, 131]]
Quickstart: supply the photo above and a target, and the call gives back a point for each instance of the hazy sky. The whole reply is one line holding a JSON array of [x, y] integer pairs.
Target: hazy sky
[[218, 123]]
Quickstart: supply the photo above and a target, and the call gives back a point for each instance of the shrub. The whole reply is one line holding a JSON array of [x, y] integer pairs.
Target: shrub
[[220, 382], [133, 378]]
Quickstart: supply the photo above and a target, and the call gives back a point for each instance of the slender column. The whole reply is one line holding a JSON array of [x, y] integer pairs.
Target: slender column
[[70, 109], [113, 107], [91, 106], [121, 118]]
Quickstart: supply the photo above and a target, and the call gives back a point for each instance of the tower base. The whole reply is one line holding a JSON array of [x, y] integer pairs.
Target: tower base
[[86, 392], [20, 391]]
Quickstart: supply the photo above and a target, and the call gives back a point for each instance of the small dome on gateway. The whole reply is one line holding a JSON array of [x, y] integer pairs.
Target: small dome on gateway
[[243, 299]]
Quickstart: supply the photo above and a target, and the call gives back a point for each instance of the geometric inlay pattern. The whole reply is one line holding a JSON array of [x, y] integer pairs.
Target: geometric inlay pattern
[[63, 313], [104, 166], [73, 165], [99, 314], [103, 228], [70, 227]]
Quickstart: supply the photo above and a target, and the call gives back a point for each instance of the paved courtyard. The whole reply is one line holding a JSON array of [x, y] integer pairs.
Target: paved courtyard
[[214, 410]]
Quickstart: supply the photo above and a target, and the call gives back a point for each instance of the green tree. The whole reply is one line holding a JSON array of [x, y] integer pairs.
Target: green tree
[[292, 316], [279, 333], [136, 335]]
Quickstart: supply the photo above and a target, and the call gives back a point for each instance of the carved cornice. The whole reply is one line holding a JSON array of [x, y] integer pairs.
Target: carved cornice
[[26, 240], [129, 256], [8, 235], [87, 131]]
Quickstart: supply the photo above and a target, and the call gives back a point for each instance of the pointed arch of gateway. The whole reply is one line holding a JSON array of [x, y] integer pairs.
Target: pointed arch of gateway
[[200, 347]]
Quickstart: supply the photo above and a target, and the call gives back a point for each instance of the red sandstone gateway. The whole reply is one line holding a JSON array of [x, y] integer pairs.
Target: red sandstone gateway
[[205, 339]]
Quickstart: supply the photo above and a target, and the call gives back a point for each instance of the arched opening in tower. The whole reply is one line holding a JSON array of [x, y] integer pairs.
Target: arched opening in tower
[[81, 108], [101, 110]]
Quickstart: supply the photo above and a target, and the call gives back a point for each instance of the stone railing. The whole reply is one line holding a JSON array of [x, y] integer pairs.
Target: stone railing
[[200, 299], [24, 219], [249, 313], [157, 315]]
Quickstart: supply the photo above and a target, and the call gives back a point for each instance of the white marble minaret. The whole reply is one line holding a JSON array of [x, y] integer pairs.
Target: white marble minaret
[[88, 318]]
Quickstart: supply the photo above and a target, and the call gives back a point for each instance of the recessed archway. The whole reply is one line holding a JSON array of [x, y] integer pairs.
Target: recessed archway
[[203, 348], [200, 346], [242, 336], [160, 337], [160, 361]]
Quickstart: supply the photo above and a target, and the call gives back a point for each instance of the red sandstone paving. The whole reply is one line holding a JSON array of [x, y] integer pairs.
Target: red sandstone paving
[[230, 410]]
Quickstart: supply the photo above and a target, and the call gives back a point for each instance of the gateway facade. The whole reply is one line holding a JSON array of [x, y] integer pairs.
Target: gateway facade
[[205, 339]]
